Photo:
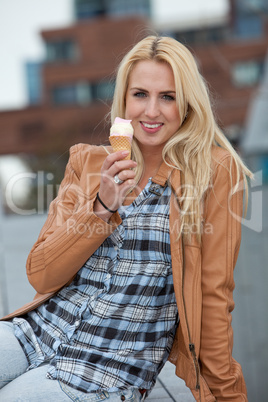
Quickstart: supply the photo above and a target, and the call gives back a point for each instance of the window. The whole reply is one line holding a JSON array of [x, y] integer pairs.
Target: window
[[33, 72], [89, 8], [248, 20], [82, 93], [129, 7], [248, 26], [64, 95], [104, 90], [72, 94], [257, 5], [201, 36], [247, 74], [61, 50]]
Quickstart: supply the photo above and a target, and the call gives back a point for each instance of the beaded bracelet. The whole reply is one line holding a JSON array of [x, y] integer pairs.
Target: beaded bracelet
[[102, 203]]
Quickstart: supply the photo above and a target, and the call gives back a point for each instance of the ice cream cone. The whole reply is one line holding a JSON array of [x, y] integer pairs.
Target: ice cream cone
[[121, 143], [121, 134]]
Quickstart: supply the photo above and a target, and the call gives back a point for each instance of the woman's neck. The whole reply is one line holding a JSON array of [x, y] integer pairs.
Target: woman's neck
[[152, 162], [152, 158]]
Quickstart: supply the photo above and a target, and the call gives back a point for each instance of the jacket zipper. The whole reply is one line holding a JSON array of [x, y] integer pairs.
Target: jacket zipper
[[196, 365], [191, 345]]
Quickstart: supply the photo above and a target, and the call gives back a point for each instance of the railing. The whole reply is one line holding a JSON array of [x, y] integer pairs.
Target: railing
[[3, 294]]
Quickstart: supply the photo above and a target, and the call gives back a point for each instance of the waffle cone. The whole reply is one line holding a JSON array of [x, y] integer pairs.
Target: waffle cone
[[121, 143]]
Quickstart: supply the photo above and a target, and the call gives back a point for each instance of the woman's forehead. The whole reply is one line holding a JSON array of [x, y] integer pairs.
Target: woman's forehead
[[150, 72]]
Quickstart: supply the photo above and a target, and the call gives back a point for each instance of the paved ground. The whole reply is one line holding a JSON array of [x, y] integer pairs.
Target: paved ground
[[250, 318]]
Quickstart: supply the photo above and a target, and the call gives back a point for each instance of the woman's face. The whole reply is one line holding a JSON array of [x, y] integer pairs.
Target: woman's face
[[151, 104]]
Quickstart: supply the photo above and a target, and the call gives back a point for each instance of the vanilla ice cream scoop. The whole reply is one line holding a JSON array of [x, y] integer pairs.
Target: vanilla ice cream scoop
[[121, 134]]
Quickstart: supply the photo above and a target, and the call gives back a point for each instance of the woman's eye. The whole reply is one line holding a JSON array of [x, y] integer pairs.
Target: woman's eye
[[140, 94], [168, 97]]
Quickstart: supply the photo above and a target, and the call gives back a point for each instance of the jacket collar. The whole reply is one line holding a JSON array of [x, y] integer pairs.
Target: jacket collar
[[169, 174], [163, 174]]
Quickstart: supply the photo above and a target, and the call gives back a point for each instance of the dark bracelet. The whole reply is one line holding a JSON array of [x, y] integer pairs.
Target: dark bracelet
[[102, 203]]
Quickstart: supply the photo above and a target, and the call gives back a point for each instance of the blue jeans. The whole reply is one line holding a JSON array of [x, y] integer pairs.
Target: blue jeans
[[19, 385]]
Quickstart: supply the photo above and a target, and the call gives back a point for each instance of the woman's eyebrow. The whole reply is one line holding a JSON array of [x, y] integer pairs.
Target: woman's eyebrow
[[171, 91], [138, 89], [168, 91]]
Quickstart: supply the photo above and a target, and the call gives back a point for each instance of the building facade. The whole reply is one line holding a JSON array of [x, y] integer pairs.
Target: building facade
[[76, 81]]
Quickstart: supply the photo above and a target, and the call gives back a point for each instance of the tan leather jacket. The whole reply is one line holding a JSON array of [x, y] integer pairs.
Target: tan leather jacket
[[203, 274]]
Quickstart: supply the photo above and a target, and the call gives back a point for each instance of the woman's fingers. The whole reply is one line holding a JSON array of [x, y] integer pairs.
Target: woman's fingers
[[124, 175], [112, 193], [114, 165], [114, 157]]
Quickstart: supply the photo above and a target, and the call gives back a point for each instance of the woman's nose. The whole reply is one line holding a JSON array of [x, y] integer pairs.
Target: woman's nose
[[152, 108]]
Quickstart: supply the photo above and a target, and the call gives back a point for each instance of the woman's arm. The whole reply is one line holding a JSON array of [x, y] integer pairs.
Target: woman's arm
[[71, 233], [220, 248]]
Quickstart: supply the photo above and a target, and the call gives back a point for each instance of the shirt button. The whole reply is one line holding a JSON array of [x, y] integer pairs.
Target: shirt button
[[123, 398], [77, 322]]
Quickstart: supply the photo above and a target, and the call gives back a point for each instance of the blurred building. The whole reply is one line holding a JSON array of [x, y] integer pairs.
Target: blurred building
[[70, 93], [71, 90], [255, 141]]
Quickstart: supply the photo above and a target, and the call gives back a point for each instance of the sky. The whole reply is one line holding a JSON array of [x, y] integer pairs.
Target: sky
[[20, 24], [22, 20], [191, 13]]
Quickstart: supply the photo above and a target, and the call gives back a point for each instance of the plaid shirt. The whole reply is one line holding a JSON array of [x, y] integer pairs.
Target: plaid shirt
[[114, 325]]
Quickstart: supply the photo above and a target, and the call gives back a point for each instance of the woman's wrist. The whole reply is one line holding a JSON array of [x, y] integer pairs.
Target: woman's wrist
[[101, 210], [104, 205]]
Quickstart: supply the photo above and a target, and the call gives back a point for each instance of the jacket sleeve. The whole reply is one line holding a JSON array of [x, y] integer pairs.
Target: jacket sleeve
[[70, 235], [220, 247]]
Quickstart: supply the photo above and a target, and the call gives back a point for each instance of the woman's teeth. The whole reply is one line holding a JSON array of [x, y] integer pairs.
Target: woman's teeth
[[152, 125]]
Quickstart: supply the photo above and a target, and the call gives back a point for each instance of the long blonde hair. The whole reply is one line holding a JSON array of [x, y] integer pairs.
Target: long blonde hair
[[189, 149]]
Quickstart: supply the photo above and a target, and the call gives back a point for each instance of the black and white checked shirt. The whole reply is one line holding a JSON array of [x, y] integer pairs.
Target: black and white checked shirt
[[114, 325]]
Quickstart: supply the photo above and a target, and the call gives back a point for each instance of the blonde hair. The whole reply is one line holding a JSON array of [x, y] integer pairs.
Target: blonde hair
[[189, 149]]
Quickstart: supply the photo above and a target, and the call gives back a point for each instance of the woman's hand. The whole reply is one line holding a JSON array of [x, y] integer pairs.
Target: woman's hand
[[111, 193]]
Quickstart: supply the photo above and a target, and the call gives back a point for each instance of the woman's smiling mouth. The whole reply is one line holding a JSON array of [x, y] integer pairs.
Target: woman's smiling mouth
[[151, 127]]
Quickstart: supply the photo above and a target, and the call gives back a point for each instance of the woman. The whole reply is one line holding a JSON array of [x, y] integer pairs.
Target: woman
[[130, 274]]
